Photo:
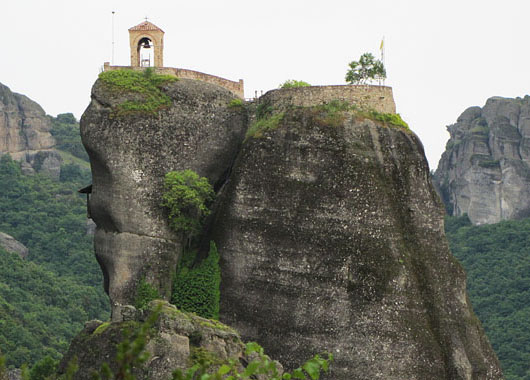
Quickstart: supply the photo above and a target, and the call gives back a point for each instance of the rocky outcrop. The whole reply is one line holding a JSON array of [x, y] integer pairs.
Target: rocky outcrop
[[329, 230], [130, 157], [25, 133], [176, 340], [485, 169], [331, 238], [10, 244]]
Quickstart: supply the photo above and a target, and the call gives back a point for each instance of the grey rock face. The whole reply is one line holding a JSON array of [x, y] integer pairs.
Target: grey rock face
[[24, 127], [47, 162], [14, 374], [484, 171], [130, 157], [331, 239], [10, 244]]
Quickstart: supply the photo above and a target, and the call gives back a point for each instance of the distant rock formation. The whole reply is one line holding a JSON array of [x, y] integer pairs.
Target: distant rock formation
[[485, 169], [10, 244], [329, 230], [25, 134]]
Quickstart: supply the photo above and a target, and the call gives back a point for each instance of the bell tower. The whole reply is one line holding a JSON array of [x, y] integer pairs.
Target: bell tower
[[147, 45]]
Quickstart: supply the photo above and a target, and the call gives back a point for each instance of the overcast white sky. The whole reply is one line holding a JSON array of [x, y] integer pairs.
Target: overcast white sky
[[441, 56]]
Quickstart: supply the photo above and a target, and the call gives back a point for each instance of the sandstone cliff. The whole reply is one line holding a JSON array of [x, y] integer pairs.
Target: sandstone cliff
[[25, 133], [330, 232], [485, 169]]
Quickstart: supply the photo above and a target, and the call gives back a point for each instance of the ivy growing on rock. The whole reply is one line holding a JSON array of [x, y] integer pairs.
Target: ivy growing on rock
[[145, 293], [196, 286]]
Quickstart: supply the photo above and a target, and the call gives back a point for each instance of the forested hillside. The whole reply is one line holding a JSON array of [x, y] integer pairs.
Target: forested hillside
[[497, 261], [46, 298]]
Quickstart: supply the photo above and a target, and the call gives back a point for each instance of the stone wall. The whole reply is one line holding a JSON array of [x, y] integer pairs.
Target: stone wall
[[237, 88], [378, 98]]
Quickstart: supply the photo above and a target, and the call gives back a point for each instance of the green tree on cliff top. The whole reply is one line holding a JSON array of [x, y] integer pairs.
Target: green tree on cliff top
[[367, 68]]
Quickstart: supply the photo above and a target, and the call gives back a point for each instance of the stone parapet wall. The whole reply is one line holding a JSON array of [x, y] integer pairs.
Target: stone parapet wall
[[378, 98], [237, 88]]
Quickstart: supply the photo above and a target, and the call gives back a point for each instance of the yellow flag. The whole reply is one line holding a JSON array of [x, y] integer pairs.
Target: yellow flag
[[382, 44]]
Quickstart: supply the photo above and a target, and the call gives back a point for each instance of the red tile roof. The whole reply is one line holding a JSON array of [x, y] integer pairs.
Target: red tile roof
[[146, 25]]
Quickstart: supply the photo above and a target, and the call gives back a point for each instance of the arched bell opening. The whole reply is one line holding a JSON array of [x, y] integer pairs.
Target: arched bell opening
[[146, 56]]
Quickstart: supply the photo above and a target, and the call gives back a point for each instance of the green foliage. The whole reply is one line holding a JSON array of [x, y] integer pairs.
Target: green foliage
[[262, 366], [497, 261], [336, 109], [481, 130], [101, 328], [292, 83], [74, 173], [71, 370], [45, 299], [452, 143], [145, 86], [489, 163], [367, 68], [264, 110], [389, 119], [260, 126], [3, 369], [44, 369], [187, 197], [145, 293], [235, 103], [65, 130], [196, 286], [333, 113], [24, 372]]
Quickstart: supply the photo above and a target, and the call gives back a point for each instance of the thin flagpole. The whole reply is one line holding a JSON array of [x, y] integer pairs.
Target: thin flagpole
[[112, 59]]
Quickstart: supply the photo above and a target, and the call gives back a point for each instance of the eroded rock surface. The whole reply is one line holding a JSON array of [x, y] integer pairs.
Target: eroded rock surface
[[130, 157], [25, 133], [485, 169], [331, 238], [175, 341]]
